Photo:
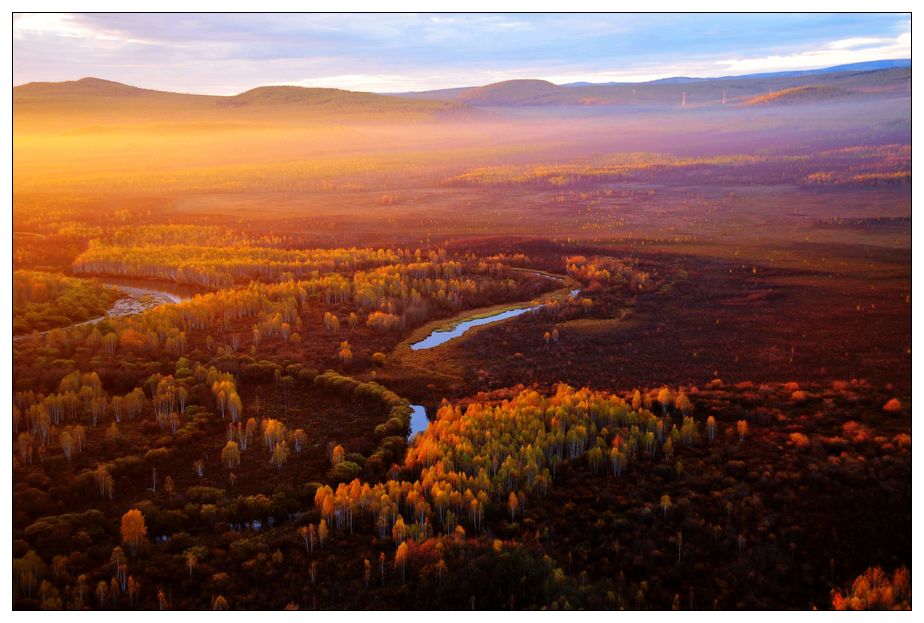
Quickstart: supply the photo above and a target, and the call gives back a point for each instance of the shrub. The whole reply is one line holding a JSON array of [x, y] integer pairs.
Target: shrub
[[344, 471]]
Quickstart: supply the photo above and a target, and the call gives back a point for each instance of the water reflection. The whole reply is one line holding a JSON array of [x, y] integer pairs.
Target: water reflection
[[441, 336], [419, 420], [173, 292]]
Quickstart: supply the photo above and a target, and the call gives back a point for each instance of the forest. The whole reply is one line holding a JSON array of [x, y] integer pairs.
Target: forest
[[43, 301], [673, 365], [150, 439]]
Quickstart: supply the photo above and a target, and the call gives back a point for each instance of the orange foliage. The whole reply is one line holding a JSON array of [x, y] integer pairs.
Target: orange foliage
[[892, 406], [875, 590]]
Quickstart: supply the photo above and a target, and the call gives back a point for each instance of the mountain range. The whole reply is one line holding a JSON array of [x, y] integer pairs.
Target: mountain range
[[865, 66], [94, 102], [873, 78]]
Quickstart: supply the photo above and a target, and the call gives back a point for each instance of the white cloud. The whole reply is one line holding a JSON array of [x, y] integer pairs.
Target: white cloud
[[380, 83], [839, 52], [857, 42], [68, 26], [392, 53]]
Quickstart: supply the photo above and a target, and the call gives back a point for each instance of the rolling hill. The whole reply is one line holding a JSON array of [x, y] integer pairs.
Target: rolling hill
[[880, 78], [853, 67], [512, 93], [96, 104]]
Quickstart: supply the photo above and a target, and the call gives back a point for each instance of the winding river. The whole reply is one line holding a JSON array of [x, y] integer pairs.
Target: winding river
[[171, 292], [419, 419], [441, 336], [144, 295]]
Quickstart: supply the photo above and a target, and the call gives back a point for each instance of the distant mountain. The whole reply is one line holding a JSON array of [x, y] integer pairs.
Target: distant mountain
[[678, 80], [84, 86], [511, 92], [877, 78], [865, 66], [851, 67], [335, 100], [93, 104], [103, 106]]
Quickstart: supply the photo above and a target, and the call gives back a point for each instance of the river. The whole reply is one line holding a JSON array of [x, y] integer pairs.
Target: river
[[441, 336], [172, 292], [141, 296]]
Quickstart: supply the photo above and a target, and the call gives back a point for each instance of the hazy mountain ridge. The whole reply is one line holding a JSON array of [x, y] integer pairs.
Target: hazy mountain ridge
[[97, 105], [103, 104], [857, 67], [879, 77]]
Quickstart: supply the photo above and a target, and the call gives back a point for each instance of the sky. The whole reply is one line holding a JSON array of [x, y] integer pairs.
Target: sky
[[225, 54]]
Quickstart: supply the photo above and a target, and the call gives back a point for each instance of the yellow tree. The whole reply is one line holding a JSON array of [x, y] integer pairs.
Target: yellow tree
[[102, 590], [398, 531], [133, 529], [235, 406], [665, 504], [636, 400], [299, 440], [382, 567], [28, 570], [67, 444], [231, 455], [875, 590], [401, 559], [665, 398], [513, 504], [682, 403], [280, 454], [133, 588], [103, 481], [193, 555], [345, 354]]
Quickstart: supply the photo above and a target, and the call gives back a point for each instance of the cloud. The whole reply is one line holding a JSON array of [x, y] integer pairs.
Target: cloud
[[45, 25], [229, 53], [840, 52], [857, 42]]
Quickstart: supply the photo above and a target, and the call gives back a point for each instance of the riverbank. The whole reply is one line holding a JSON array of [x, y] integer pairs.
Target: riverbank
[[137, 300], [418, 338]]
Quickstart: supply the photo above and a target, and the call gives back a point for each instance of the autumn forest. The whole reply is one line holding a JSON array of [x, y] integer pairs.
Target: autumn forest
[[638, 346]]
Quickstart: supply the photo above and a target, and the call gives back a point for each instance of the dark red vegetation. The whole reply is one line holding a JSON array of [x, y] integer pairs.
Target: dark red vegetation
[[714, 318]]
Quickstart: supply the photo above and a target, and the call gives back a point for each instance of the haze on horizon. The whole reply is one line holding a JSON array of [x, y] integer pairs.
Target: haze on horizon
[[225, 54]]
